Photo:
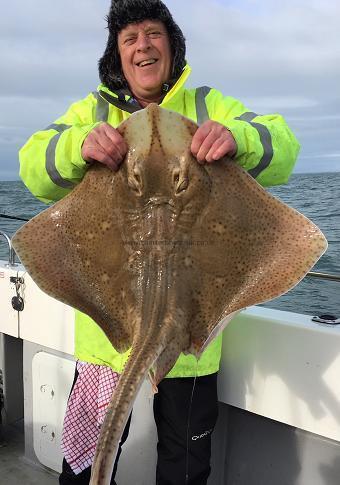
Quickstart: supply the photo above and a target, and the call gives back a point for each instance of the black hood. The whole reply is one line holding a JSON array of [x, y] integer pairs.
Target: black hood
[[125, 12]]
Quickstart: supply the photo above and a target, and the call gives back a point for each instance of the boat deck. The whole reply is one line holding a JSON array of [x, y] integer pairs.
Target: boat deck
[[15, 468]]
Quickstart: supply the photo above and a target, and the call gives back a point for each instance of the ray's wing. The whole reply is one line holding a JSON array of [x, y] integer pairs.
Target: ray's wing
[[74, 252], [251, 248]]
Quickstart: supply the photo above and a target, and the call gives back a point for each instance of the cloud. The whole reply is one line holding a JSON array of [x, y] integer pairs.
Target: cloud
[[275, 103], [52, 54], [282, 49], [274, 56]]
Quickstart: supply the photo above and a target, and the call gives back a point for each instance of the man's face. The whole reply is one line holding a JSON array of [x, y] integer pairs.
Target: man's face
[[145, 55]]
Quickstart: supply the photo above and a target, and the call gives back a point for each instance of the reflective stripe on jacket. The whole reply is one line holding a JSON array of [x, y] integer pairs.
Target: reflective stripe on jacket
[[51, 165]]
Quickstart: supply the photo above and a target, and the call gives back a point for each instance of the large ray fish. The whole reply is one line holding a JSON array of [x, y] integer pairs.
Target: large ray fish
[[163, 253]]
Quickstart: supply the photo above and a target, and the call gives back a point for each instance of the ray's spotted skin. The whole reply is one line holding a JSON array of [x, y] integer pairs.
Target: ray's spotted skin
[[163, 253]]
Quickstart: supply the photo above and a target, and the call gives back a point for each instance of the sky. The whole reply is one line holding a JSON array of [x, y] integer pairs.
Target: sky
[[275, 56]]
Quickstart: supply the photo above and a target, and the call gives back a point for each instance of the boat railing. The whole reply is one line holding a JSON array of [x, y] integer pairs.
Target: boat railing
[[324, 276], [11, 252]]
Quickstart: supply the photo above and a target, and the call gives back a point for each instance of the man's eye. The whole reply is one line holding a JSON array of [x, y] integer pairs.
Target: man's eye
[[129, 40], [154, 34]]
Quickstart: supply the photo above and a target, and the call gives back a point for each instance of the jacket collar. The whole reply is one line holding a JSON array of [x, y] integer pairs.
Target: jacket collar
[[124, 100]]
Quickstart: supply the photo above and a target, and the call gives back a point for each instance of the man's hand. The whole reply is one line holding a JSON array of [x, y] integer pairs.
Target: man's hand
[[212, 141], [105, 145]]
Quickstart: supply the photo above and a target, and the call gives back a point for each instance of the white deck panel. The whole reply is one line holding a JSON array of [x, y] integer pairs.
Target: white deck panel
[[52, 378], [46, 321], [285, 367]]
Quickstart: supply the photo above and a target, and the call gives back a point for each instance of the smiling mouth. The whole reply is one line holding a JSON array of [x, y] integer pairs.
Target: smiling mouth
[[147, 62]]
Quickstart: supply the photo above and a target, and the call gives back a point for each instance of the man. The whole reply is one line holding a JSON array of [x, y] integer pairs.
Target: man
[[144, 62]]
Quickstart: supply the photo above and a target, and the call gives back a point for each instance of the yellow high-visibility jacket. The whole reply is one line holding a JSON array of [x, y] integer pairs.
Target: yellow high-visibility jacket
[[51, 165]]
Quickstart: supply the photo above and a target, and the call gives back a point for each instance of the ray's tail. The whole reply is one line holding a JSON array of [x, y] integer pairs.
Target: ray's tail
[[156, 344], [140, 361]]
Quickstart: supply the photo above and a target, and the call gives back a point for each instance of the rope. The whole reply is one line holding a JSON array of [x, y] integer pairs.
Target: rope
[[5, 216]]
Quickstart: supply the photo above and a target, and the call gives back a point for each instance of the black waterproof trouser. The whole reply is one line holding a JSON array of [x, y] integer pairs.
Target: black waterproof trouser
[[184, 433], [182, 449]]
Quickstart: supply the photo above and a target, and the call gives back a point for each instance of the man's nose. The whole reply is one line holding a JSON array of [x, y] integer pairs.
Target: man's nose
[[143, 41]]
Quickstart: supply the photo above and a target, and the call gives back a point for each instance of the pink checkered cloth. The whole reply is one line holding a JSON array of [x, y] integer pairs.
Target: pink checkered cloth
[[85, 413]]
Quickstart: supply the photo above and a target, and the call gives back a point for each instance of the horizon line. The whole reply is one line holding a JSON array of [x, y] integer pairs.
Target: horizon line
[[18, 179]]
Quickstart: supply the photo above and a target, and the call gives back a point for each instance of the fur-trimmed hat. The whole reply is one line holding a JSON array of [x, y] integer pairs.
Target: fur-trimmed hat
[[125, 12]]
